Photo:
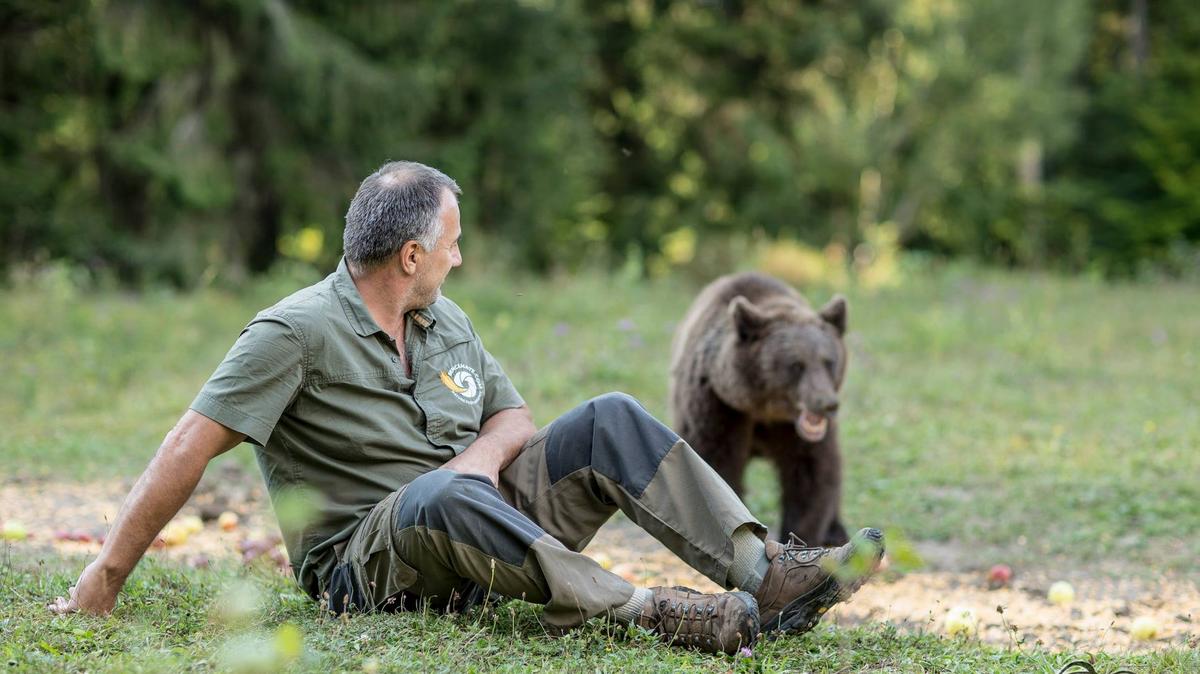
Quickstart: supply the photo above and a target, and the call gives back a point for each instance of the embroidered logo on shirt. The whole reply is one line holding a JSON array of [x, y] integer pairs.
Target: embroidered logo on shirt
[[464, 383]]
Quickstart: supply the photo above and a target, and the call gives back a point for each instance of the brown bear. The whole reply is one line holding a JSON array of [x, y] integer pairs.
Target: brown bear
[[755, 371]]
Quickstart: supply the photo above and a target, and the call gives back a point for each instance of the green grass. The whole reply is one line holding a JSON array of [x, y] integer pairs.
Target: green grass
[[169, 621], [1050, 422]]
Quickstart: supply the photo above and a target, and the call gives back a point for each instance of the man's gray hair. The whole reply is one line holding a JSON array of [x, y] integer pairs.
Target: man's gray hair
[[398, 203]]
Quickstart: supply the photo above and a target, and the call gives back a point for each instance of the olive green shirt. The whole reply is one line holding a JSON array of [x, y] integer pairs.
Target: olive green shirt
[[322, 392]]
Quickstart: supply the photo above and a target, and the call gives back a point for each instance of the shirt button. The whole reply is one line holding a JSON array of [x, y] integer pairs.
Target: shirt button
[[395, 359]]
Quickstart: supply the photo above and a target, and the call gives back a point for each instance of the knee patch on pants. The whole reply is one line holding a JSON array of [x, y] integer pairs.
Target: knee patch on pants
[[469, 510], [614, 435]]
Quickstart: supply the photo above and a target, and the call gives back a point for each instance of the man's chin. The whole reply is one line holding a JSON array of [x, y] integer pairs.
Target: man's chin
[[437, 295]]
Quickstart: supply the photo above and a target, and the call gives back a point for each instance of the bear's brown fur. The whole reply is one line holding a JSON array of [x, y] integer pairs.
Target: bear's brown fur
[[755, 371]]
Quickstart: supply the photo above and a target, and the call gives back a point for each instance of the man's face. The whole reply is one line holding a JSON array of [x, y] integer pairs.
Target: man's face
[[437, 263]]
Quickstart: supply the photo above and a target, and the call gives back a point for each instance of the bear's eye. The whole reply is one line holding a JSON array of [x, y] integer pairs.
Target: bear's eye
[[796, 370], [830, 365]]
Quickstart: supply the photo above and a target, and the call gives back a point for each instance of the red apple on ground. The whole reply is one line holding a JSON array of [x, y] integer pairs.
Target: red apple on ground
[[999, 576]]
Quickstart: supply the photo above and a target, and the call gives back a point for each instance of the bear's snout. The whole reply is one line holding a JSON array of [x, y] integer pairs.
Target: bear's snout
[[824, 405]]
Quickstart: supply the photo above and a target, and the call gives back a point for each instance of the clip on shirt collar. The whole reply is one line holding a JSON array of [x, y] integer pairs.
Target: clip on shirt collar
[[423, 318], [356, 309]]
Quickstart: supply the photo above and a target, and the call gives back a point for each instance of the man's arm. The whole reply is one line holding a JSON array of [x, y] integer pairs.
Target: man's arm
[[157, 496], [499, 441]]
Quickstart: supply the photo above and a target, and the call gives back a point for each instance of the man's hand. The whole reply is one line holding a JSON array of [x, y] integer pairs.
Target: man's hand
[[476, 463], [94, 593], [156, 497], [499, 441]]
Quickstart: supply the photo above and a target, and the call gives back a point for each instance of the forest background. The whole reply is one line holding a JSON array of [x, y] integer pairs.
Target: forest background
[[202, 142]]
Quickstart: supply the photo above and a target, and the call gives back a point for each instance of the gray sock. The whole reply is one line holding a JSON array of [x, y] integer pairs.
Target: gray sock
[[749, 560], [630, 610]]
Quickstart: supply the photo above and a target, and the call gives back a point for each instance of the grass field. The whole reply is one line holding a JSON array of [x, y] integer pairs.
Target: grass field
[[1052, 421]]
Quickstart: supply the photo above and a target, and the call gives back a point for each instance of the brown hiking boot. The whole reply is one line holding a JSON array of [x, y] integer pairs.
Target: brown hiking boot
[[802, 583], [715, 623]]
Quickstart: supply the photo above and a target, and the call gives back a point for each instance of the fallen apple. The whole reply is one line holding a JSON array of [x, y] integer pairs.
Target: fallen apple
[[253, 548], [1061, 593], [228, 521], [961, 620], [175, 533], [1144, 628], [73, 536], [999, 576], [192, 524], [13, 531]]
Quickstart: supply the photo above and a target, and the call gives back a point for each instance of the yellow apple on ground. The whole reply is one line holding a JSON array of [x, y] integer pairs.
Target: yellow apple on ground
[[175, 533], [228, 521], [1144, 628], [1061, 593], [961, 620], [13, 531]]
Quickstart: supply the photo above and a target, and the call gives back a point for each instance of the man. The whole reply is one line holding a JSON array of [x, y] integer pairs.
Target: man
[[374, 393]]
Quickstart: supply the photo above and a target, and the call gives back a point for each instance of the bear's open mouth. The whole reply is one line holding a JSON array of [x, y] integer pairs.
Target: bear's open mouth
[[812, 426]]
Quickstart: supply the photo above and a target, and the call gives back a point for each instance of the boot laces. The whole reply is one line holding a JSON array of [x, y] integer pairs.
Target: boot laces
[[798, 551], [687, 619]]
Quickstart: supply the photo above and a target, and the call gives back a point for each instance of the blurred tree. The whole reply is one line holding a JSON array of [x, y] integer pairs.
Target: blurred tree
[[176, 141], [1129, 189], [180, 141], [808, 121], [709, 109]]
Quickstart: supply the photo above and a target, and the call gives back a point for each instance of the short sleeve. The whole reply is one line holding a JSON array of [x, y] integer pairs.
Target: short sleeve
[[258, 380], [499, 392]]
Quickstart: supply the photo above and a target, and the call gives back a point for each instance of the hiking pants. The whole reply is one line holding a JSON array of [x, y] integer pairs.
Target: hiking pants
[[450, 539]]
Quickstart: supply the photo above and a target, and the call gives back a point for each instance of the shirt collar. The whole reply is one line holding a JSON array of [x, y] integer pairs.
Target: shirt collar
[[356, 309]]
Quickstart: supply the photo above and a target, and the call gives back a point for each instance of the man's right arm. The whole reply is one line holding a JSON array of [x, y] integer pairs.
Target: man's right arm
[[157, 496]]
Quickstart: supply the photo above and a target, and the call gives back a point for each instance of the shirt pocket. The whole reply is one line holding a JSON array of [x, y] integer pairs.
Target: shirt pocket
[[450, 390]]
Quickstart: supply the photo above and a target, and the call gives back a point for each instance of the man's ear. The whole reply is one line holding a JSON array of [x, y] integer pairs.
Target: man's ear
[[747, 318], [410, 253], [834, 313]]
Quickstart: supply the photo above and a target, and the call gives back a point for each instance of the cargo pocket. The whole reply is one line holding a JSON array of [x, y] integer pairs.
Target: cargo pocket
[[381, 574], [369, 573]]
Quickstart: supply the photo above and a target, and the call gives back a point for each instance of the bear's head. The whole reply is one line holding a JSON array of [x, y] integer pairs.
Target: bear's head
[[787, 362]]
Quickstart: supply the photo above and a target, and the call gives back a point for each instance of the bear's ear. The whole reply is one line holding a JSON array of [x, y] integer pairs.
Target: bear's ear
[[834, 313], [747, 318]]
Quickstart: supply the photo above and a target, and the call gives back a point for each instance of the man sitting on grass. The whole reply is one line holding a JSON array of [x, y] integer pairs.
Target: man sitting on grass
[[374, 393]]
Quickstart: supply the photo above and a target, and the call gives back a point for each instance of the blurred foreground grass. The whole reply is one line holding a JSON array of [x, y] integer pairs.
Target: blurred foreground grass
[[173, 621], [1035, 419]]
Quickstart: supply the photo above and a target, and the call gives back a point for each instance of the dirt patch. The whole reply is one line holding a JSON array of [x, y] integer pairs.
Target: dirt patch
[[72, 518], [1019, 616]]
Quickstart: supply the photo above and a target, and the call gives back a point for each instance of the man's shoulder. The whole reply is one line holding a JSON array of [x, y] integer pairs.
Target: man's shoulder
[[305, 310]]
